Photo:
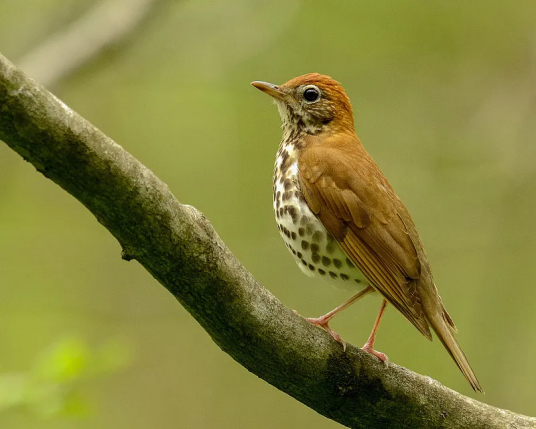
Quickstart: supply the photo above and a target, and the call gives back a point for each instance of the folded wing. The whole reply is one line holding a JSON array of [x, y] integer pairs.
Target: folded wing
[[354, 202]]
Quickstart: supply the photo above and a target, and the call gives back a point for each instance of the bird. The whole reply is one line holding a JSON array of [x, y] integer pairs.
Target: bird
[[341, 219]]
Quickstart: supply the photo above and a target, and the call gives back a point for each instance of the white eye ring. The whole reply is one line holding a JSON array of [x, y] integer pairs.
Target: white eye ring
[[311, 94]]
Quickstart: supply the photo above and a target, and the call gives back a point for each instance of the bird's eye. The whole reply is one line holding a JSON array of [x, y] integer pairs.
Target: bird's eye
[[311, 94]]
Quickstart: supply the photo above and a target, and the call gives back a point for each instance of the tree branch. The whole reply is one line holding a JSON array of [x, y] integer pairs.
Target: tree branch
[[106, 24], [179, 247]]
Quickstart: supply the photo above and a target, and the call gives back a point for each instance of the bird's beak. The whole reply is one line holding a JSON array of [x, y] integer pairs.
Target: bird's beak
[[270, 89]]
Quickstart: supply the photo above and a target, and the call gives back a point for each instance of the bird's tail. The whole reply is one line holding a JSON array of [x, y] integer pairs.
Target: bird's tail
[[444, 328]]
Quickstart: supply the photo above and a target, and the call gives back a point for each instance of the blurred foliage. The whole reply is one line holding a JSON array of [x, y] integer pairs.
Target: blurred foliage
[[444, 95], [51, 388]]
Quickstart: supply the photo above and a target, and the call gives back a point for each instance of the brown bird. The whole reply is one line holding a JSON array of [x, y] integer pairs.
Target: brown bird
[[341, 219]]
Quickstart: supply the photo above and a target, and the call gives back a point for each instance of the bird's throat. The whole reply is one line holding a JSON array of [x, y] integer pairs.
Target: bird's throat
[[297, 121]]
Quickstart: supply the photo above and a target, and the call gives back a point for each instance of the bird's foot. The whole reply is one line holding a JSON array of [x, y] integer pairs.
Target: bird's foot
[[381, 356], [323, 322]]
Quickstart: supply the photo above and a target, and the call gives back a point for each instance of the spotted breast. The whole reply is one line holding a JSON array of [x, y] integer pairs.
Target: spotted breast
[[316, 252]]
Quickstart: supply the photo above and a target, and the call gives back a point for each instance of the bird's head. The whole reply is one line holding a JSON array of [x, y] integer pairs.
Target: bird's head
[[312, 103]]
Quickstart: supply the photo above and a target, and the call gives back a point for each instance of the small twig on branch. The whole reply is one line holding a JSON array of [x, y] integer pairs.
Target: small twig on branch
[[179, 247], [104, 25]]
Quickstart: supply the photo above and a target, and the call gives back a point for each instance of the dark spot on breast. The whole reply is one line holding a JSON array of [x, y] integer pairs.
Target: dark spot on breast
[[304, 220], [304, 262], [299, 255], [301, 232], [344, 276], [333, 275], [293, 251], [316, 258], [281, 211], [309, 229], [326, 261], [321, 271], [286, 196], [287, 184], [311, 267], [293, 212], [315, 247], [284, 159], [304, 245], [357, 280], [293, 235], [317, 236], [331, 246], [337, 263], [350, 263]]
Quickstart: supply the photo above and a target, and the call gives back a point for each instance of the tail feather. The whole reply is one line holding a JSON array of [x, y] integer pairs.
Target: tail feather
[[444, 328], [449, 320]]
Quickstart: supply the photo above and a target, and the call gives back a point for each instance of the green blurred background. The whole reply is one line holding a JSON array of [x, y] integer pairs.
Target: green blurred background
[[445, 100]]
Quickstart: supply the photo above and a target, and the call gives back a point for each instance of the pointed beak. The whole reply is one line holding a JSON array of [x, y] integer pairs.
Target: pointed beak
[[270, 89]]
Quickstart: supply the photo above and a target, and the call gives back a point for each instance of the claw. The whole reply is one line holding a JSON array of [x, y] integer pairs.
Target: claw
[[381, 356], [324, 324], [370, 342]]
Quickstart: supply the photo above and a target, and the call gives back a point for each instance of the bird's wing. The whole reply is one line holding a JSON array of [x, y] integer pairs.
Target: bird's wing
[[356, 204]]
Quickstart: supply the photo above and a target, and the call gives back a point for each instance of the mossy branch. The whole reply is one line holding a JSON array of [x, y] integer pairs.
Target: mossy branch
[[180, 248]]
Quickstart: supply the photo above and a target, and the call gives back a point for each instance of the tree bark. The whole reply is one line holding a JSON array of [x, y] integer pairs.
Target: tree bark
[[180, 248]]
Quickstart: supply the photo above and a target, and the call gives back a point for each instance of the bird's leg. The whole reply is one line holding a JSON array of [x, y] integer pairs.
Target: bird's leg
[[368, 347], [323, 321]]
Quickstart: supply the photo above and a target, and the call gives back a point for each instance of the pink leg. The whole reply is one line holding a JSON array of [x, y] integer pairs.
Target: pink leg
[[368, 347], [323, 321]]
